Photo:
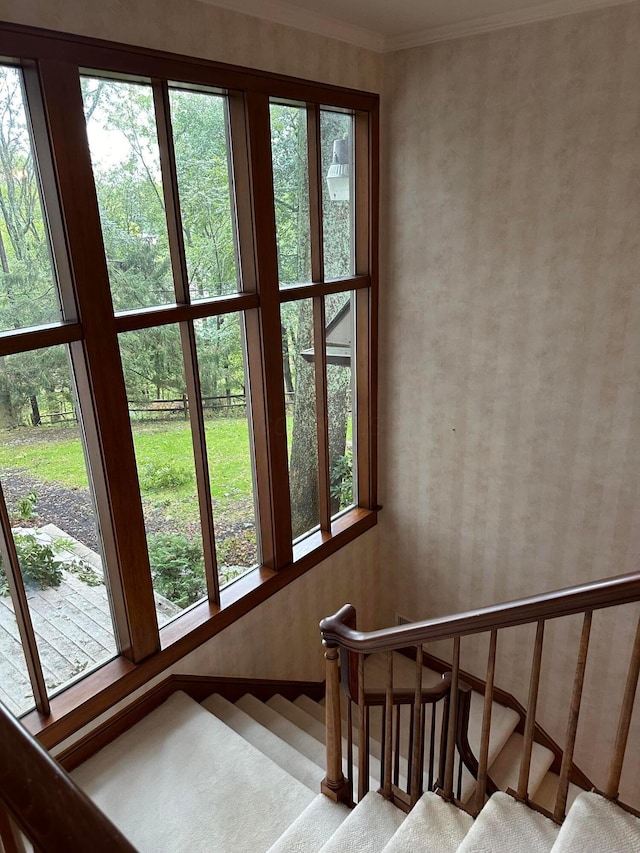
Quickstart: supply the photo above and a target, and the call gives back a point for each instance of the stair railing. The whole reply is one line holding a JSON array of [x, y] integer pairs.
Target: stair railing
[[40, 802], [341, 639]]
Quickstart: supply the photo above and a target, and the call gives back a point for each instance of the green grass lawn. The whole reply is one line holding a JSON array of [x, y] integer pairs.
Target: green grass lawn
[[164, 453]]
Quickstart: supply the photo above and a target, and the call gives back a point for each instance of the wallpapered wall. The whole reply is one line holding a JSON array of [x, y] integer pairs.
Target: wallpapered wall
[[199, 29], [510, 334]]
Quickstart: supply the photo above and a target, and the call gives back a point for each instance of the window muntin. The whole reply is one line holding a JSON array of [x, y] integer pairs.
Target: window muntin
[[291, 192], [126, 565], [300, 365], [341, 409], [338, 219], [199, 123], [28, 288], [229, 443], [123, 140]]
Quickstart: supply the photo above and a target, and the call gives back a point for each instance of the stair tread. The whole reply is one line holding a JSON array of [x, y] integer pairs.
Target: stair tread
[[310, 830], [599, 826], [432, 826], [505, 825], [368, 828], [283, 728], [300, 717], [182, 760], [505, 770], [545, 796], [282, 753]]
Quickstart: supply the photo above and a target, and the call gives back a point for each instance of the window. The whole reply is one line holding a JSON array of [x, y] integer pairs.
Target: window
[[187, 358]]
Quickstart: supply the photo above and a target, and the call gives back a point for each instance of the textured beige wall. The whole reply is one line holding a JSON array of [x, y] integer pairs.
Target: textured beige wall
[[510, 327], [199, 29]]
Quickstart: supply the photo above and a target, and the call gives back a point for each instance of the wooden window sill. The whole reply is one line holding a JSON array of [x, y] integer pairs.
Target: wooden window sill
[[99, 691]]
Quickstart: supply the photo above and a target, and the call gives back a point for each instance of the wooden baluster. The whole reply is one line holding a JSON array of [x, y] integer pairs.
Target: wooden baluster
[[432, 746], [530, 723], [350, 748], [11, 840], [451, 725], [624, 723], [334, 785], [388, 728], [363, 740], [423, 727], [396, 757], [572, 725], [416, 729], [481, 783]]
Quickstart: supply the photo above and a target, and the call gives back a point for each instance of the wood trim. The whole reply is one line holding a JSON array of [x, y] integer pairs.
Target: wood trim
[[198, 687], [22, 340], [291, 293], [270, 442], [111, 449], [145, 318], [47, 805], [13, 574], [98, 692], [24, 41], [187, 334], [596, 595]]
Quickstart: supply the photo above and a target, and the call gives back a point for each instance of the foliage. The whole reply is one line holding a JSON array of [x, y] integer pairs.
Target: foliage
[[27, 506], [38, 562], [156, 477], [342, 480], [177, 568]]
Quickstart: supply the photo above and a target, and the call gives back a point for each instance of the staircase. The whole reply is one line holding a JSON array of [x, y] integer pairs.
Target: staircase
[[245, 777]]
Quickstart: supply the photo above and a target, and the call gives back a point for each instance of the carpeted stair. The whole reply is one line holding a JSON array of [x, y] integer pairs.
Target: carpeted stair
[[246, 777]]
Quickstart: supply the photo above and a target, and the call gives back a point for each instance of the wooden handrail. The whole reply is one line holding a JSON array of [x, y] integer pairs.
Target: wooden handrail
[[622, 589], [44, 801]]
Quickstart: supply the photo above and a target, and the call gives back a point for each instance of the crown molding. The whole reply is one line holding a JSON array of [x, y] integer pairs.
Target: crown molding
[[514, 18], [280, 12]]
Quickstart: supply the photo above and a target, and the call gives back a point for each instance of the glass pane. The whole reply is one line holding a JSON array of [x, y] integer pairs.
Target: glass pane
[[121, 127], [291, 192], [223, 382], [336, 131], [339, 309], [199, 122], [299, 377], [28, 292], [15, 687], [156, 390], [46, 486]]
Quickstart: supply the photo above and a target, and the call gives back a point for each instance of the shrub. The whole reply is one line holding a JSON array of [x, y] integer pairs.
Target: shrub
[[155, 478], [27, 507], [342, 480], [37, 561], [177, 568]]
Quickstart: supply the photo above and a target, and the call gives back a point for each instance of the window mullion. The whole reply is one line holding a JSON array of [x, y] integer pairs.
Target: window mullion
[[264, 339], [319, 319], [187, 333], [102, 390], [365, 325], [18, 595]]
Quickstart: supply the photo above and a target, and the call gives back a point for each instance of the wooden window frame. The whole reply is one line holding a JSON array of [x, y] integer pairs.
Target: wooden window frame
[[52, 63]]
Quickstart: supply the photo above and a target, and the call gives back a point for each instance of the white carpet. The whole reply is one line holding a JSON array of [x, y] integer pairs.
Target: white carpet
[[313, 828], [432, 826], [368, 828], [597, 825], [506, 826], [181, 780], [284, 755]]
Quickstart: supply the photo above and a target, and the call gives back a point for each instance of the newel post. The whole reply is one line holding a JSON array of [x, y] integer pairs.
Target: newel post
[[334, 785]]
